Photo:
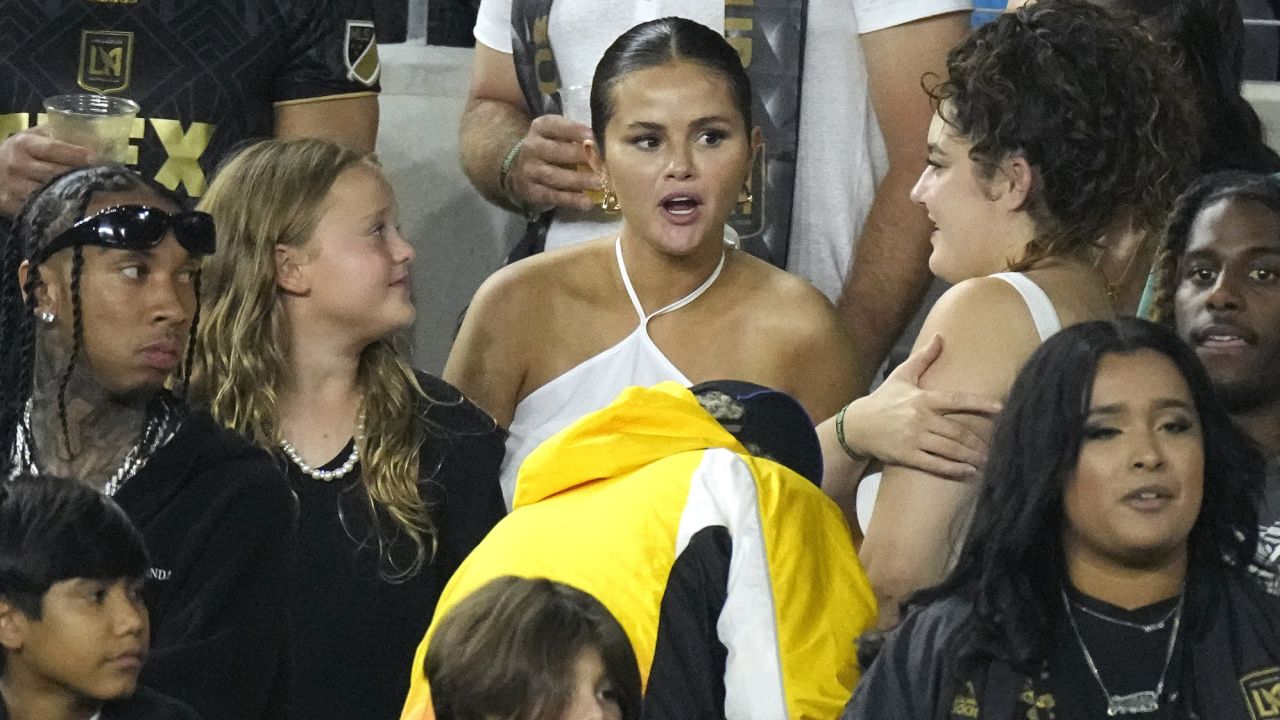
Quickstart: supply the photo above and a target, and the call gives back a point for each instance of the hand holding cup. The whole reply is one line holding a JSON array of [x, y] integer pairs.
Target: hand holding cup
[[31, 158], [552, 169]]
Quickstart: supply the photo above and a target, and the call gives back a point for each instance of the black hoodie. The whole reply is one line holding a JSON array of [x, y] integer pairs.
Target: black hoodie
[[219, 523], [143, 705]]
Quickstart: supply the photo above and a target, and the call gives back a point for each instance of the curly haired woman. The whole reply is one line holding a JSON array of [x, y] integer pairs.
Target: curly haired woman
[[1056, 125]]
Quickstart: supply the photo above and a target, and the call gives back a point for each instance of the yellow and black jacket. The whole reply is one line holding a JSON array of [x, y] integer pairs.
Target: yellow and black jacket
[[734, 577]]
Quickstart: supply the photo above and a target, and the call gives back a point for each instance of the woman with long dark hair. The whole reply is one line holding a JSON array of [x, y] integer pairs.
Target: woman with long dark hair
[[1104, 569]]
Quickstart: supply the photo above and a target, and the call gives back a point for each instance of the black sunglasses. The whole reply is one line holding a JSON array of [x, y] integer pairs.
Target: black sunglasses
[[136, 227]]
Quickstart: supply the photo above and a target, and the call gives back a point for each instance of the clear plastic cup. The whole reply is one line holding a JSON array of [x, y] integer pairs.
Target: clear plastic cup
[[100, 123], [575, 103]]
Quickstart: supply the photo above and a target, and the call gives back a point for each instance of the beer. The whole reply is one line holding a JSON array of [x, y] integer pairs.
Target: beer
[[97, 122]]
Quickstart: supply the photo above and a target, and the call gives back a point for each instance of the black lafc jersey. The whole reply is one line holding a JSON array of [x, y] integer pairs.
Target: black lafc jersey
[[206, 73]]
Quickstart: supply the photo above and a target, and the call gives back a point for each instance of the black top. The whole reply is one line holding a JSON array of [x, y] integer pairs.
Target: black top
[[355, 632], [1269, 512], [1266, 565], [1226, 665], [206, 73], [218, 522], [144, 705], [1129, 659]]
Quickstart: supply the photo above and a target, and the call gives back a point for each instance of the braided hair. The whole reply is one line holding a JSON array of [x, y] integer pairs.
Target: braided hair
[[1210, 189], [50, 211]]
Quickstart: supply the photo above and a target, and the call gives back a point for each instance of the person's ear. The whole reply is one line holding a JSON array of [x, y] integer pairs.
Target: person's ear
[[13, 626], [1012, 183], [290, 275], [48, 295], [595, 158]]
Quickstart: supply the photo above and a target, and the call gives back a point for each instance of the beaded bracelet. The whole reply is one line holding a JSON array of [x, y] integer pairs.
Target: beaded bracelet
[[848, 449], [504, 173]]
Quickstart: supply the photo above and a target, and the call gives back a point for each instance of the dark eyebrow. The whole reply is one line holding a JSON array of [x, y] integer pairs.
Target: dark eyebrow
[[1208, 253], [643, 125], [135, 253], [709, 120], [1200, 254], [1161, 404]]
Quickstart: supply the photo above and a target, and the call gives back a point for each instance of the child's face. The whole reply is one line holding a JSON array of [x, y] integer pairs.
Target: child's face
[[593, 694], [90, 640]]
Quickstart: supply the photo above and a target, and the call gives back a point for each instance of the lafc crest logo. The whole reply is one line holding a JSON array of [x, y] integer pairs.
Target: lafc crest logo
[[106, 60], [1262, 693], [361, 52]]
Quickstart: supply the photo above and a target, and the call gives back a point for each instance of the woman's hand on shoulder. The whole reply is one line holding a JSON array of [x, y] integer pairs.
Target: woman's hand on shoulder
[[902, 424]]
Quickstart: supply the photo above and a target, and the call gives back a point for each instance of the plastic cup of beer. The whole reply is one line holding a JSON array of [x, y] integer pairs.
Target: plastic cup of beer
[[100, 123], [575, 105]]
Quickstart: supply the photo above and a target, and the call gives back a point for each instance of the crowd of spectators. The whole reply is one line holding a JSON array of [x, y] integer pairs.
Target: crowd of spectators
[[690, 455]]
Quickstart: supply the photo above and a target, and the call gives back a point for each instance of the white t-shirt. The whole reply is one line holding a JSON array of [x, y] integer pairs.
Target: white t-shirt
[[841, 157]]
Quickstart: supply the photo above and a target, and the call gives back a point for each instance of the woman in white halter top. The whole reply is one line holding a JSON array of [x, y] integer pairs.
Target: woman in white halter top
[[554, 337], [1054, 125]]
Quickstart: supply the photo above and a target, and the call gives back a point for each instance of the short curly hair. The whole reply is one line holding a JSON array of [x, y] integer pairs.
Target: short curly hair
[[1208, 41], [1106, 124], [1206, 191]]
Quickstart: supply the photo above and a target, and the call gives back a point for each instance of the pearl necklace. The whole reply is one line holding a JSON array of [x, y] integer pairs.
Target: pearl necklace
[[328, 475]]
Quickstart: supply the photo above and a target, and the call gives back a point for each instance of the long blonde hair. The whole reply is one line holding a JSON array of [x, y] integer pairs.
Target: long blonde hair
[[272, 193]]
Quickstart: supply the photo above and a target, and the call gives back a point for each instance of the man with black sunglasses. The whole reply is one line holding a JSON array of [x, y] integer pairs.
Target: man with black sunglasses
[[99, 285]]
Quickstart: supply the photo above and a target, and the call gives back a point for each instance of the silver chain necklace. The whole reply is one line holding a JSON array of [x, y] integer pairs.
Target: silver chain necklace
[[1136, 626], [158, 428], [1140, 702], [328, 475]]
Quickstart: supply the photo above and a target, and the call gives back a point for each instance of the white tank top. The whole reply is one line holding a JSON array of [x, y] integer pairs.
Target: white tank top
[[1043, 314], [593, 383]]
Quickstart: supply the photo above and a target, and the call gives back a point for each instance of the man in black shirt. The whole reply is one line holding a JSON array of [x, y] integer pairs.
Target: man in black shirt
[[98, 287], [1224, 243], [208, 74]]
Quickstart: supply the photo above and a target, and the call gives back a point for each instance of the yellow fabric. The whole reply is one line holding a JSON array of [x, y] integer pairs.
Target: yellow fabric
[[598, 507], [812, 587]]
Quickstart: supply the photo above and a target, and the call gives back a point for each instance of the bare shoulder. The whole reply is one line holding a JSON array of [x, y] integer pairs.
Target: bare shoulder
[[987, 333], [803, 349], [532, 282], [978, 303], [789, 300]]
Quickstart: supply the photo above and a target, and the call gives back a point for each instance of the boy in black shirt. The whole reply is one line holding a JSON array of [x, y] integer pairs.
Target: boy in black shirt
[[73, 626]]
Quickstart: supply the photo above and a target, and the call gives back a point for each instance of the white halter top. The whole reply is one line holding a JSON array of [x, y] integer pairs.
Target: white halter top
[[593, 383], [1045, 317]]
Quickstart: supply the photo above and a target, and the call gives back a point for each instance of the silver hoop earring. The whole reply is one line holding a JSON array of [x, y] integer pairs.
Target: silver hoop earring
[[46, 317]]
